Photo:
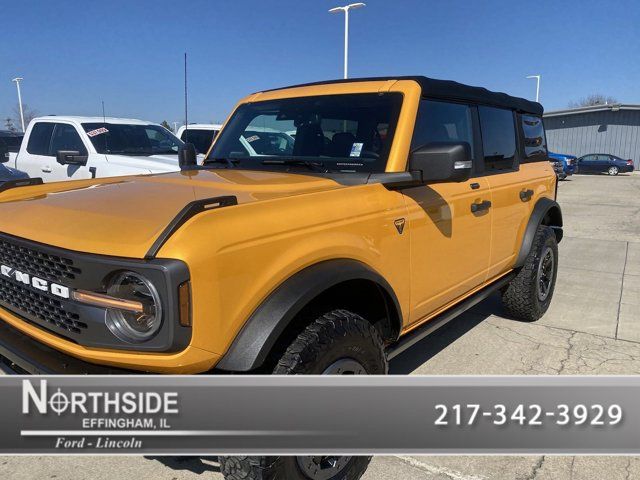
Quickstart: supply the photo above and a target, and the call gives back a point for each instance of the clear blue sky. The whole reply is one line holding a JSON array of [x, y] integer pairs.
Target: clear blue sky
[[73, 54]]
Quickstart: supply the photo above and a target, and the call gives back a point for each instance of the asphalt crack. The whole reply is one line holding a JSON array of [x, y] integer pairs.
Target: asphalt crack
[[569, 351], [535, 469]]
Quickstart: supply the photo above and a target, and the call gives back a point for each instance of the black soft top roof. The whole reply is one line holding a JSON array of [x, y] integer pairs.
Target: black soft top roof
[[448, 89]]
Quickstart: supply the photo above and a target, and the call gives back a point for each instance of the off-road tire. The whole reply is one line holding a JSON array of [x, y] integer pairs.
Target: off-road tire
[[281, 468], [520, 297], [329, 338]]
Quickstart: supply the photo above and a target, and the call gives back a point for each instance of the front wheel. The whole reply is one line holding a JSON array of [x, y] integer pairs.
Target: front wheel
[[528, 296], [336, 343], [613, 170]]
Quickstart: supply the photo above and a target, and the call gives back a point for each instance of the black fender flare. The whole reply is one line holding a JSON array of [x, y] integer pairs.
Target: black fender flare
[[266, 324], [544, 209]]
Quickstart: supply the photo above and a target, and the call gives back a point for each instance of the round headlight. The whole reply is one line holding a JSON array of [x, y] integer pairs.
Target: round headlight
[[140, 318]]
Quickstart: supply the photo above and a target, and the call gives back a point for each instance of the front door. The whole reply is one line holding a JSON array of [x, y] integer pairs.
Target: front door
[[66, 137], [450, 239]]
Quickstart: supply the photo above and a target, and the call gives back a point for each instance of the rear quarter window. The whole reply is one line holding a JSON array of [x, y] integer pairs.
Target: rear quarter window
[[535, 144]]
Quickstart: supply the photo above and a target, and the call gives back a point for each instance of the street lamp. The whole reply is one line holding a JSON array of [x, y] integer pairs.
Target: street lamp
[[17, 80], [537, 77], [346, 9]]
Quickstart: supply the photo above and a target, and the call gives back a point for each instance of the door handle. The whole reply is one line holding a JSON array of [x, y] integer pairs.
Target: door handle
[[526, 195], [479, 207], [46, 169], [474, 186]]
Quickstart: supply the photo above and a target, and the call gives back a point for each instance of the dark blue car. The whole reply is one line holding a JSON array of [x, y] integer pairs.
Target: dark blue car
[[7, 174], [9, 142], [569, 162], [604, 163]]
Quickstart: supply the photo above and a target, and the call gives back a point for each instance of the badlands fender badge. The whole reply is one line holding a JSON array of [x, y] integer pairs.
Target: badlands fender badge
[[34, 282], [399, 223]]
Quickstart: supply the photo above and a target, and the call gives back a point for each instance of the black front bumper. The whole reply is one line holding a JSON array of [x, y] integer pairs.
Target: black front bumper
[[21, 354]]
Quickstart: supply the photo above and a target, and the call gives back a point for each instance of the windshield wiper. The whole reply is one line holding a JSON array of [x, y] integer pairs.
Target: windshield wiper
[[315, 166], [230, 162]]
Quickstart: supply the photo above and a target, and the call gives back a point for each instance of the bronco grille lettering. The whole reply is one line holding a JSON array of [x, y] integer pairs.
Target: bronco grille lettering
[[35, 282]]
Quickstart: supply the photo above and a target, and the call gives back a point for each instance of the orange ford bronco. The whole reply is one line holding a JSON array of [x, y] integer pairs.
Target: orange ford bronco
[[330, 227]]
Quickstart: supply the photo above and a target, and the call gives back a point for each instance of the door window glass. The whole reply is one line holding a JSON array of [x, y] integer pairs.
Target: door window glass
[[498, 138], [442, 122], [65, 137]]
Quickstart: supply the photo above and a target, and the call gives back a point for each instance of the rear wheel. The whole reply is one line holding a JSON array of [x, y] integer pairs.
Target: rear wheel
[[528, 296], [336, 343], [613, 170]]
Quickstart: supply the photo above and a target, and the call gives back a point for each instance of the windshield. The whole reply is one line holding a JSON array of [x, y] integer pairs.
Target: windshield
[[201, 139], [347, 133], [126, 139]]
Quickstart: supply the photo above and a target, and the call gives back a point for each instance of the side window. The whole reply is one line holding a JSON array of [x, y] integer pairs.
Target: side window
[[603, 158], [65, 137], [442, 122], [40, 138], [498, 138], [535, 146]]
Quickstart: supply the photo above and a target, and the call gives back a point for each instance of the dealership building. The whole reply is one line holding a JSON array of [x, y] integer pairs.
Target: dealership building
[[612, 129]]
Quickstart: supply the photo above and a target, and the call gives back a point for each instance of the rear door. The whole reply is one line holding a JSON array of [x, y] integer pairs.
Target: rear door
[[449, 243], [517, 168], [603, 162]]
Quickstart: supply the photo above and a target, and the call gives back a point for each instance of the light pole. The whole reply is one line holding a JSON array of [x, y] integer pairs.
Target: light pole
[[537, 77], [17, 80], [346, 9]]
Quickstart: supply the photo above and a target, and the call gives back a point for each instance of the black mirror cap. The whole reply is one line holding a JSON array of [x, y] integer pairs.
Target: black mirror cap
[[187, 156], [442, 162], [71, 157]]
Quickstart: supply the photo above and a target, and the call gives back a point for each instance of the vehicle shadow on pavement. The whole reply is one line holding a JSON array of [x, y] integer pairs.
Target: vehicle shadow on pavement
[[197, 465], [409, 360]]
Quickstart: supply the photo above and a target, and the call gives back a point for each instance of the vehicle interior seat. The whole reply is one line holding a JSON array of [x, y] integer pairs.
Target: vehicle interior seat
[[341, 144], [309, 140]]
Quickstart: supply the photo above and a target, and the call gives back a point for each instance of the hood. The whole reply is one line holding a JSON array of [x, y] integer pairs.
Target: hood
[[7, 173], [122, 216], [154, 163]]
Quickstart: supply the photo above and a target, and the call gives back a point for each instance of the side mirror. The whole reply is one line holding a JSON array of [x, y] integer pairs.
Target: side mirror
[[442, 162], [187, 156], [4, 152], [71, 157]]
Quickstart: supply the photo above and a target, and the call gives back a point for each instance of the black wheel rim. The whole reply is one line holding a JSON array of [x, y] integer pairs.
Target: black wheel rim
[[345, 366], [326, 467], [322, 467], [546, 268]]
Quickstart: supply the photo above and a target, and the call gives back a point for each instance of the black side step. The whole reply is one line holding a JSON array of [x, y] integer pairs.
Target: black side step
[[23, 182], [445, 317], [190, 210]]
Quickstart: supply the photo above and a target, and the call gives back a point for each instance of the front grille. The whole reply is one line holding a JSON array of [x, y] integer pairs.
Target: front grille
[[40, 264], [26, 302]]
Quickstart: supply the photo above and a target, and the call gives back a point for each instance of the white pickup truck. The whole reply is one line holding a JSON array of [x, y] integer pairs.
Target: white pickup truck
[[70, 148]]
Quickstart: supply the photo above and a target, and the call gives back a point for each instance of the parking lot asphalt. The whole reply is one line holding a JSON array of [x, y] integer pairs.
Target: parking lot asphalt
[[592, 327]]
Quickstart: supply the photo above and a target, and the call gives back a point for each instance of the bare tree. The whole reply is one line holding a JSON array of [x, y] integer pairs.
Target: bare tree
[[8, 124], [592, 100], [29, 114]]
